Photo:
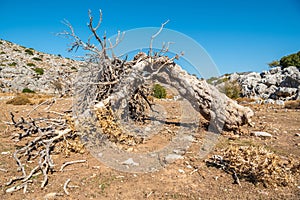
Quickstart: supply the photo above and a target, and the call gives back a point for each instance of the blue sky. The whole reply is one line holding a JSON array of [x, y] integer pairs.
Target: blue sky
[[238, 35]]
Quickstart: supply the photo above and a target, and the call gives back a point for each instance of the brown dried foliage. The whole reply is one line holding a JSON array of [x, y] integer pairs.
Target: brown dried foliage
[[259, 165]]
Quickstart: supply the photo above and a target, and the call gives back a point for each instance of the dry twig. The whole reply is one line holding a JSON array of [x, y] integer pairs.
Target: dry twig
[[70, 163], [65, 187]]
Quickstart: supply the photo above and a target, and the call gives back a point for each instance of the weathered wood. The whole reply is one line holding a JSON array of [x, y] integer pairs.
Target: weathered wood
[[216, 107]]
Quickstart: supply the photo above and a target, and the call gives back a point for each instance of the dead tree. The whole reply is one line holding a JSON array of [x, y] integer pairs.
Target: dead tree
[[121, 87], [110, 81]]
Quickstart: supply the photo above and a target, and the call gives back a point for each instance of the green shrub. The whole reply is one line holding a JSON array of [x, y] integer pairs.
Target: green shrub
[[31, 64], [291, 60], [232, 90], [29, 51], [39, 71], [17, 50], [159, 91], [27, 90], [12, 64], [211, 80], [74, 68], [2, 52], [216, 81], [36, 58], [274, 63]]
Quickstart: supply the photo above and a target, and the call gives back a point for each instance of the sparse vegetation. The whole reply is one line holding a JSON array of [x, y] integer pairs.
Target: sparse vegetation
[[216, 81], [290, 60], [211, 80], [12, 64], [37, 59], [159, 91], [232, 90], [2, 52], [30, 64], [29, 52], [19, 100], [17, 50], [27, 90], [259, 165], [274, 63], [292, 104], [39, 71]]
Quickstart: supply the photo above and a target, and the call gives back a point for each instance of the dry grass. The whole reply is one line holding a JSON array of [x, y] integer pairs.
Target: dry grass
[[112, 129], [259, 165], [292, 104], [244, 100], [19, 100]]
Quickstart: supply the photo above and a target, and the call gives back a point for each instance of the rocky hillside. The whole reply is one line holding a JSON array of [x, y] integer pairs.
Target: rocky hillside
[[278, 83], [26, 69]]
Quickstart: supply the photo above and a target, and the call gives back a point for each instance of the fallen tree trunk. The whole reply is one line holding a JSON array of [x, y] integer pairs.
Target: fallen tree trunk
[[216, 107]]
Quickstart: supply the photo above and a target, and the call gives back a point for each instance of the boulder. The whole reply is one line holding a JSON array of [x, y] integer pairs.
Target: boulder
[[284, 92], [290, 82]]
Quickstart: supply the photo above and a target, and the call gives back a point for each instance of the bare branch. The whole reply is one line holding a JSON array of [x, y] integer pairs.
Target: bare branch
[[70, 163], [94, 29], [155, 35], [65, 187]]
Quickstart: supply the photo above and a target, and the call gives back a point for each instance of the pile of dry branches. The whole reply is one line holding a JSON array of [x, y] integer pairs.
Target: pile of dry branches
[[41, 137], [257, 165]]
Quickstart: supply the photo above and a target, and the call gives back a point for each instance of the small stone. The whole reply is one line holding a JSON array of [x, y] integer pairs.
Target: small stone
[[189, 167], [181, 171], [51, 195], [147, 129], [233, 137], [261, 134], [279, 102], [130, 161], [172, 157], [297, 134]]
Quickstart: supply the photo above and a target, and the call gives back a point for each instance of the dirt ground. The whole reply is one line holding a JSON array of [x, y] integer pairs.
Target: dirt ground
[[187, 178]]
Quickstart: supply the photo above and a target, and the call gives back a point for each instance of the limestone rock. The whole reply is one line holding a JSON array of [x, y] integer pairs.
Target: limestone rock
[[261, 134]]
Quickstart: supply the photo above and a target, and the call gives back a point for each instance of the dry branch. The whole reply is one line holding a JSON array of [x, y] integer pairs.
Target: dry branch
[[70, 163], [46, 134], [65, 187]]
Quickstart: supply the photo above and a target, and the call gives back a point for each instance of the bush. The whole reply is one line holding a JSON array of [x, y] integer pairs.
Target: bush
[[259, 165], [12, 64], [36, 58], [29, 51], [30, 64], [211, 80], [217, 81], [39, 71], [27, 90], [159, 91], [274, 63], [232, 90], [2, 52], [291, 60]]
